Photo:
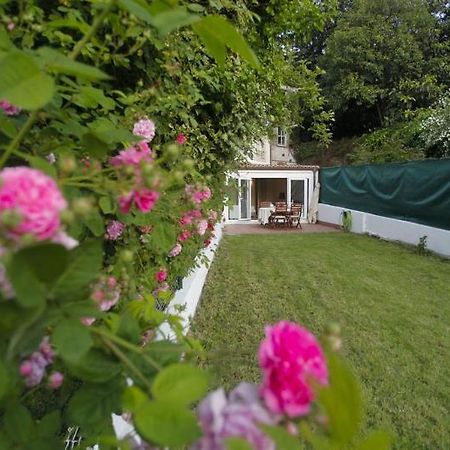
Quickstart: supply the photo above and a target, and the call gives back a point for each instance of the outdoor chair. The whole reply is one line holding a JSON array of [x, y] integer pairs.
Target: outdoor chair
[[280, 215], [265, 205], [295, 216]]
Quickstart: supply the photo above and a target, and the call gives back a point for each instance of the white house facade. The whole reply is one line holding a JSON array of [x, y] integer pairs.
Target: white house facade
[[271, 175]]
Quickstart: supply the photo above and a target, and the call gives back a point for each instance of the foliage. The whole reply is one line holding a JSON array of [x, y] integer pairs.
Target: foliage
[[96, 227], [435, 129], [363, 284], [347, 221], [382, 59]]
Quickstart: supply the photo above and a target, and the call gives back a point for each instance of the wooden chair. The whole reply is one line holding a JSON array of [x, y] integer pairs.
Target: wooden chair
[[265, 205], [295, 216], [280, 215]]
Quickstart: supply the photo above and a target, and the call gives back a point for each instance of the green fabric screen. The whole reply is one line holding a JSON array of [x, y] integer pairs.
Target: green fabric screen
[[417, 191]]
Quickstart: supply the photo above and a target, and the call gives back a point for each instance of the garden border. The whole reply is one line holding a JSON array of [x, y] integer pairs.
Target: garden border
[[189, 296], [438, 239]]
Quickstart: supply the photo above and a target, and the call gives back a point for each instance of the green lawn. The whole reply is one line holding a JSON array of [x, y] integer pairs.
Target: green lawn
[[393, 306]]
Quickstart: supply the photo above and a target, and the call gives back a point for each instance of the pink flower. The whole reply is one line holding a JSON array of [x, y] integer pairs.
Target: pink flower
[[11, 26], [114, 230], [202, 226], [161, 275], [36, 199], [239, 415], [181, 139], [206, 193], [145, 128], [62, 238], [33, 368], [87, 321], [133, 156], [144, 199], [105, 296], [55, 380], [196, 213], [8, 108], [176, 250], [184, 236], [197, 197], [290, 358]]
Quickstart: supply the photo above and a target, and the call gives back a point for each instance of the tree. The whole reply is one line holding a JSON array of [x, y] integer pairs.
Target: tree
[[377, 61]]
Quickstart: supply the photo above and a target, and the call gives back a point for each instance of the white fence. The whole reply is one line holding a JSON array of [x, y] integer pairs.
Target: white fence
[[438, 240]]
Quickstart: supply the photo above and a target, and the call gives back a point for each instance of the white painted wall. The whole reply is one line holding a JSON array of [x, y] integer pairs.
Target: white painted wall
[[189, 297], [438, 240]]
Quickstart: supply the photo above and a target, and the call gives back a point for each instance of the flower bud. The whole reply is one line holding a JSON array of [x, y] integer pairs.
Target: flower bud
[[67, 164], [55, 380], [82, 206], [172, 151], [127, 256], [188, 164], [10, 218]]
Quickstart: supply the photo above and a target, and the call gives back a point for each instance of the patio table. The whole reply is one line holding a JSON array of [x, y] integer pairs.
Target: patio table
[[264, 214]]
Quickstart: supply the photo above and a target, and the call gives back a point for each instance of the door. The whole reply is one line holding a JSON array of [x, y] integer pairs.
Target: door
[[244, 198], [298, 194]]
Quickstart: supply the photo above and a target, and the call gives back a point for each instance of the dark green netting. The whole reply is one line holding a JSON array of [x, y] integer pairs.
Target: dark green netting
[[417, 191]]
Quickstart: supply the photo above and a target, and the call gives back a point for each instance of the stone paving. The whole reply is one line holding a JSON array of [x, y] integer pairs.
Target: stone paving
[[256, 228]]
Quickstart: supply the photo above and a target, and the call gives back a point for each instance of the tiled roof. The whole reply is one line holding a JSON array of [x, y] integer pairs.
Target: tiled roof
[[286, 166]]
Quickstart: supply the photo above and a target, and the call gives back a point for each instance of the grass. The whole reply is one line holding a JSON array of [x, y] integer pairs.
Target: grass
[[392, 304]]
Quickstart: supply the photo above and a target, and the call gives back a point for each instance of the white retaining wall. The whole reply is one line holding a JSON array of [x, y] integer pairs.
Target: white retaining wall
[[188, 297], [438, 240]]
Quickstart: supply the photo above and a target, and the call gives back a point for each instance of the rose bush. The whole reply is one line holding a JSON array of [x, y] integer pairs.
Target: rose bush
[[116, 129]]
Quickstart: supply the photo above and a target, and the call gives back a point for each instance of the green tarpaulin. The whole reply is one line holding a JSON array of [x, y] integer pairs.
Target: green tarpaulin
[[417, 191]]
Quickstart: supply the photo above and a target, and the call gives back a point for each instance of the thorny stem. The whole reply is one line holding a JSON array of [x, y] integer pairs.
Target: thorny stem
[[73, 55], [122, 342], [127, 362]]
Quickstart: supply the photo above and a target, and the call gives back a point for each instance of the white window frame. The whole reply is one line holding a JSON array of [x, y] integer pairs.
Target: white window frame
[[281, 137]]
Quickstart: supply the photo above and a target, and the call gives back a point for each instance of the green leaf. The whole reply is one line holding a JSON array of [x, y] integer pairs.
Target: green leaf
[[234, 443], [166, 423], [43, 165], [223, 31], [94, 221], [107, 205], [139, 8], [56, 258], [5, 42], [30, 292], [83, 268], [49, 425], [180, 383], [342, 402], [57, 62], [95, 367], [163, 237], [281, 438], [17, 422], [214, 46], [72, 340], [23, 83], [129, 328], [93, 404], [90, 97], [172, 19], [94, 146], [3, 380], [7, 126]]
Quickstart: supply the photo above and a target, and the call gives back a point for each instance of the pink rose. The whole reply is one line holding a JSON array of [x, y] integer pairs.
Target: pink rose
[[184, 236], [181, 139], [145, 128], [144, 199], [36, 199], [133, 156], [114, 230], [202, 226], [161, 275], [176, 250], [290, 358], [55, 380], [8, 108]]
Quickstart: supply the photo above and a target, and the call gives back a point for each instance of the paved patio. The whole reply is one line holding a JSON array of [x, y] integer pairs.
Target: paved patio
[[256, 228]]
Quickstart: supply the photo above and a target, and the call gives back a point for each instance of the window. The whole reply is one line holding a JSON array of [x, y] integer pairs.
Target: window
[[281, 137]]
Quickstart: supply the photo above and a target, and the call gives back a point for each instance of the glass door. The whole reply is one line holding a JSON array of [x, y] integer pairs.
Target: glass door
[[298, 194], [244, 198]]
